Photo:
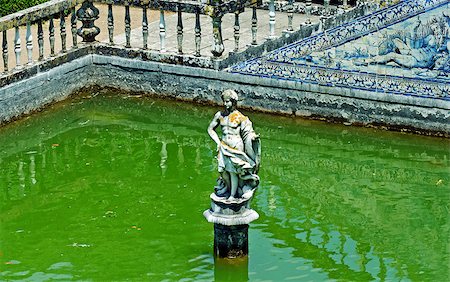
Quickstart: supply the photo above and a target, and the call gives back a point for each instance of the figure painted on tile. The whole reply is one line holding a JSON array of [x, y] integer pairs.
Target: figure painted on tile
[[238, 150], [427, 43]]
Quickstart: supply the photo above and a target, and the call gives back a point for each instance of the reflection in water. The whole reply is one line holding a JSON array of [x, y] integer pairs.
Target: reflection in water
[[163, 155], [352, 204], [226, 269]]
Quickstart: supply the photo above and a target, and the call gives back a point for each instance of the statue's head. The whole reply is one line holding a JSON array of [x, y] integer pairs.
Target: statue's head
[[230, 94], [229, 98]]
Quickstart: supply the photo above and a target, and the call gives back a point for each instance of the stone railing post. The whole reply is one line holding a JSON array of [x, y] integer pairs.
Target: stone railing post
[[217, 48], [127, 25], [5, 51], [51, 36], [254, 27], [326, 6], [180, 31], [110, 22], [198, 33], [237, 28], [17, 47], [40, 33], [144, 24], [272, 19], [290, 14], [216, 15], [73, 27], [62, 32], [308, 11], [87, 14], [162, 31], [345, 4], [29, 39]]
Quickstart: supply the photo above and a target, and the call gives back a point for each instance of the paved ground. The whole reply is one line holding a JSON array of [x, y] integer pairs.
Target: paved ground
[[153, 40], [206, 30]]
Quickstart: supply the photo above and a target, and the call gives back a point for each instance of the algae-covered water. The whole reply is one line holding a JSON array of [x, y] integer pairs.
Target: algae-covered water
[[110, 187]]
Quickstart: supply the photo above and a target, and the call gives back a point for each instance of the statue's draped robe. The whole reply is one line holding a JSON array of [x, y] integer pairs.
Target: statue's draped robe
[[237, 161]]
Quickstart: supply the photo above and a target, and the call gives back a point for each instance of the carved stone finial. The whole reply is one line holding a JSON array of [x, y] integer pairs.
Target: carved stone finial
[[87, 14]]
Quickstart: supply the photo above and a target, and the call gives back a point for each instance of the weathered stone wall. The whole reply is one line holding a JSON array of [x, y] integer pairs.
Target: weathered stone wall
[[55, 84], [205, 85], [269, 95]]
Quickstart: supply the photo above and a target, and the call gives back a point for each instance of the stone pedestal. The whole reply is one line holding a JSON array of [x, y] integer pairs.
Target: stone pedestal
[[230, 241], [231, 219]]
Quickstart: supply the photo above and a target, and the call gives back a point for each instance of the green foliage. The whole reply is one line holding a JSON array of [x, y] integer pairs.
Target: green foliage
[[11, 6]]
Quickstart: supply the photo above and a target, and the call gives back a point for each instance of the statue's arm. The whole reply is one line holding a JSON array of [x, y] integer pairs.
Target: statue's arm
[[248, 135], [212, 128]]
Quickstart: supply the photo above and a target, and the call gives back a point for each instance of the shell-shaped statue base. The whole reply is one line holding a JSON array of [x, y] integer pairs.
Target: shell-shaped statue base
[[231, 212]]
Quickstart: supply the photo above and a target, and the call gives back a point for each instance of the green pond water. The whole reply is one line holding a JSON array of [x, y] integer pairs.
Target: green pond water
[[110, 187]]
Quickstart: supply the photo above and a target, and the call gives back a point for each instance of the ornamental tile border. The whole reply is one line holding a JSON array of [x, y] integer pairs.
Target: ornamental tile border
[[424, 88]]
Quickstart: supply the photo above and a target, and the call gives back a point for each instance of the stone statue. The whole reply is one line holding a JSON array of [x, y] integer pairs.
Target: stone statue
[[238, 151], [238, 156]]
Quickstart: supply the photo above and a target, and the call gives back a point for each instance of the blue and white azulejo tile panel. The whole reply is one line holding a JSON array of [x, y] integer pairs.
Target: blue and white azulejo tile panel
[[403, 49]]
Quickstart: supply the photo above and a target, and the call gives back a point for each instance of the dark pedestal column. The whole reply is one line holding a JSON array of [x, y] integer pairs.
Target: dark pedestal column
[[230, 241], [231, 219]]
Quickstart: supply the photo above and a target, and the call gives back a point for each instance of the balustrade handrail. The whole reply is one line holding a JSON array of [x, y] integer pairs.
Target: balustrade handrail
[[36, 13], [187, 6]]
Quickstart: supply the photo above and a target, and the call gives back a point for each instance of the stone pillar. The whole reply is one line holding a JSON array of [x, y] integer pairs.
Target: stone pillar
[[231, 219], [217, 47], [230, 241]]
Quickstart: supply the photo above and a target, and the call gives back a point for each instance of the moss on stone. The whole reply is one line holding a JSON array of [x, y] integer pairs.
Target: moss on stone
[[11, 6]]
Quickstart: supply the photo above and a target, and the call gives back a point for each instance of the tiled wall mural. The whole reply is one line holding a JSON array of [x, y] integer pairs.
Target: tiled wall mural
[[403, 49]]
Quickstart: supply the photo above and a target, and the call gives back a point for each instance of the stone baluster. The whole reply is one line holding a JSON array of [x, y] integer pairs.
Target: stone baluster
[[217, 47], [198, 33], [51, 36], [236, 31], [162, 31], [290, 14], [5, 51], [180, 31], [40, 35], [326, 6], [308, 12], [73, 26], [272, 19], [17, 48], [62, 29], [87, 14], [254, 26], [110, 23], [29, 44], [144, 25], [345, 4], [127, 25]]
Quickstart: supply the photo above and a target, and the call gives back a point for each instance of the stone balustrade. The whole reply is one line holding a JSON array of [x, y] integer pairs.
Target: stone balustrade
[[62, 11], [47, 26]]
